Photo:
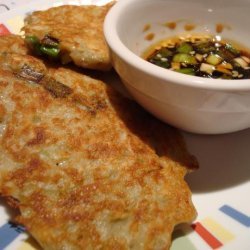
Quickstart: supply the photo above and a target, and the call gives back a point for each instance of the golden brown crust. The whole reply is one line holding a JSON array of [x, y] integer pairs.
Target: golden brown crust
[[84, 168], [79, 30], [14, 44]]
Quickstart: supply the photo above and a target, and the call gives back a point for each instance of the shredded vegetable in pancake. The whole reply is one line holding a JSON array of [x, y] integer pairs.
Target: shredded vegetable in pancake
[[86, 167]]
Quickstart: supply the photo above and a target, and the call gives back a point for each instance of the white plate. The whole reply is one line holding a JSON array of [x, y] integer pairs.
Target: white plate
[[221, 187]]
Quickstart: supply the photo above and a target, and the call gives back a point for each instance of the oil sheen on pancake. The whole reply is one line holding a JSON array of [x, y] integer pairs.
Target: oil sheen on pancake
[[86, 167], [76, 30]]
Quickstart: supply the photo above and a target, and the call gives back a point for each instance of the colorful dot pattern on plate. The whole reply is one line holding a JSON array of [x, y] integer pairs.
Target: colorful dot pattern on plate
[[218, 229]]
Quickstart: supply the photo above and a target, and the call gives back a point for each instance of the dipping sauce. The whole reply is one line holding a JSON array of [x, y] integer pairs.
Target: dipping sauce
[[201, 56]]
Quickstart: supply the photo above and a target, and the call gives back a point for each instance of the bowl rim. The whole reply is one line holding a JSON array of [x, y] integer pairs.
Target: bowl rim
[[117, 46]]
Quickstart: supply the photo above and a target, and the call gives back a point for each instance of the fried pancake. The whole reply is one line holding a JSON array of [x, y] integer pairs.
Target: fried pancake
[[77, 29], [86, 167], [13, 44]]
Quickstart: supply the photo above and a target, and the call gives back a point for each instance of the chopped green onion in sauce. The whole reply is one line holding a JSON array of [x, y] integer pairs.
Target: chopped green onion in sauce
[[201, 56]]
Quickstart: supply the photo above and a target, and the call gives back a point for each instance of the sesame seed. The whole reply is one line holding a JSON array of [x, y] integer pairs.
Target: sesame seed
[[247, 59], [235, 73], [164, 59]]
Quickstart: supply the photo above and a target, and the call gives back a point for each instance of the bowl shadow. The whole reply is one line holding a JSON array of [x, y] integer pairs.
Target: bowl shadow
[[224, 160]]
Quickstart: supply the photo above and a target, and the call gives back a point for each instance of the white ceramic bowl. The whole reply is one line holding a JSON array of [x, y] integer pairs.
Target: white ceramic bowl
[[191, 103]]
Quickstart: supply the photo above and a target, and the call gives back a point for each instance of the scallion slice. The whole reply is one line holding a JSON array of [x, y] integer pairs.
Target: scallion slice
[[184, 58]]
